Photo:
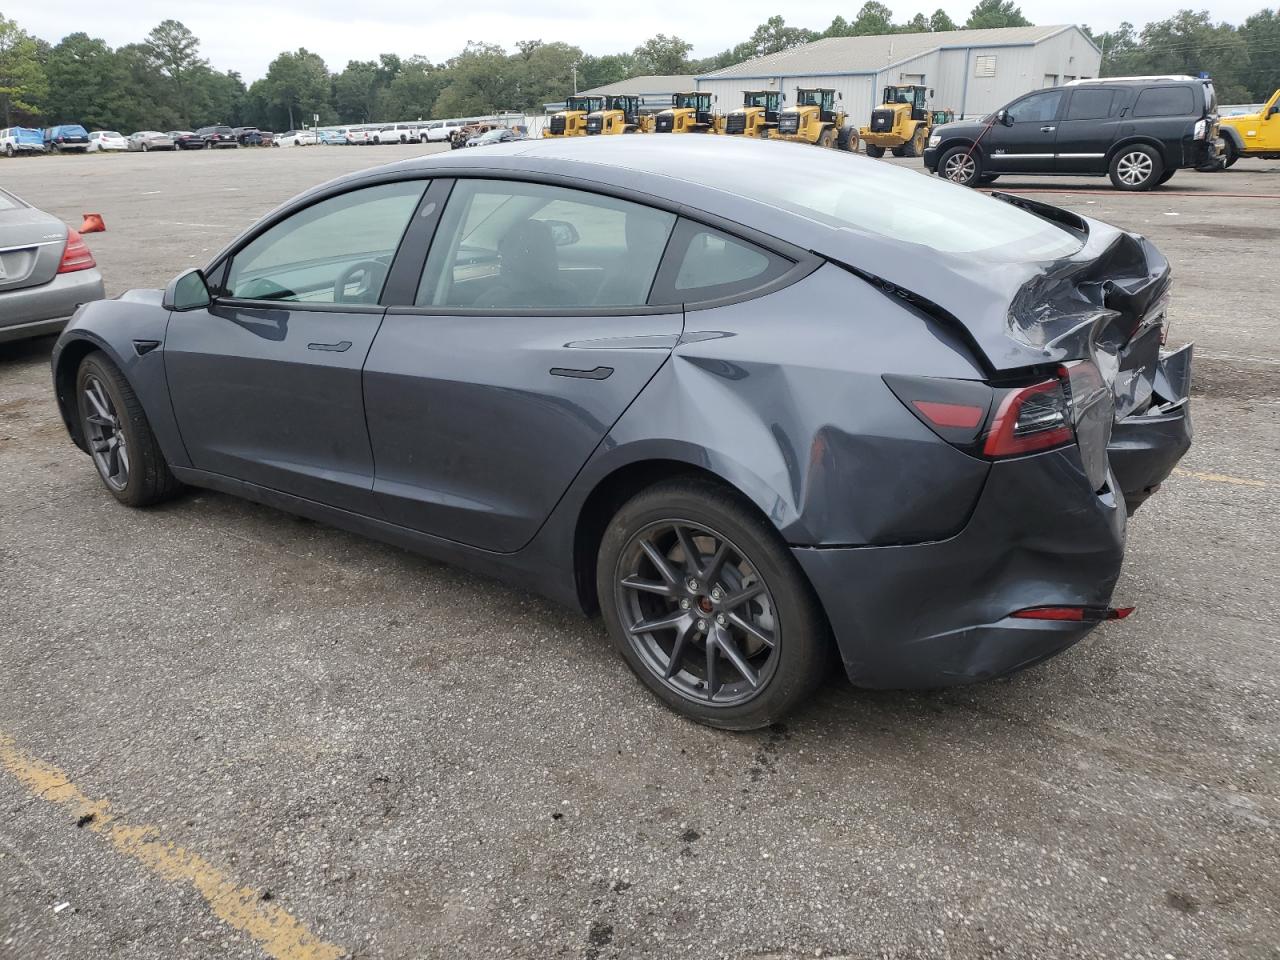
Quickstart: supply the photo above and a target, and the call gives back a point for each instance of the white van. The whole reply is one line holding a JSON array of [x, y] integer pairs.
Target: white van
[[438, 130]]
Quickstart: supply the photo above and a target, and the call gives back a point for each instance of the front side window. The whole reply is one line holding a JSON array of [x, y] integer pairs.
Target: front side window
[[336, 251], [504, 245], [1165, 102], [1037, 108]]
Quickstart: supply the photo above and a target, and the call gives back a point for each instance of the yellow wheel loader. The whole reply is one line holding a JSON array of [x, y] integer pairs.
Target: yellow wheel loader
[[758, 115], [620, 114], [815, 119], [572, 120], [688, 113], [901, 123]]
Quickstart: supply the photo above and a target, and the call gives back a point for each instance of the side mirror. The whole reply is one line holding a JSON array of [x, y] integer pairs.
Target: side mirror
[[840, 95], [1002, 116], [563, 233], [187, 291]]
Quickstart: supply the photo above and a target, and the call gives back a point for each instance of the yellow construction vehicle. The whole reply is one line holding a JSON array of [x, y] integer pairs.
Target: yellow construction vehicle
[[757, 116], [572, 120], [620, 114], [815, 119], [901, 123], [688, 113]]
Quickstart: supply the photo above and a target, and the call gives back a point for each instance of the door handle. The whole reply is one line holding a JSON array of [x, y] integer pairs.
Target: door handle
[[1048, 129], [340, 347], [599, 373]]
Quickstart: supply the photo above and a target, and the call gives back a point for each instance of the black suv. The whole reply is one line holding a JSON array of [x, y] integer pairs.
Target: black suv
[[1138, 130], [218, 136]]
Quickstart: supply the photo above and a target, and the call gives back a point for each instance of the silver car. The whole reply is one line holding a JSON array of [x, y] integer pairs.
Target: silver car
[[146, 140], [46, 271]]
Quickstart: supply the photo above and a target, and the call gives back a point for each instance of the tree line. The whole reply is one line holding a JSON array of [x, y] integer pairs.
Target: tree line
[[164, 82]]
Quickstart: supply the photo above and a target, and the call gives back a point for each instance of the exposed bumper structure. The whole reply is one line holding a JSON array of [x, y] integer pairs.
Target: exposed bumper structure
[[939, 614], [1145, 447]]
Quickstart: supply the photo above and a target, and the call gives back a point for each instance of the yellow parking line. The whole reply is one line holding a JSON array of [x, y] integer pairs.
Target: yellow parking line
[[273, 928], [1220, 478]]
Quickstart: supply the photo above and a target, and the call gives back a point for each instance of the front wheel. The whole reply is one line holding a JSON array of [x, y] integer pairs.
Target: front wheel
[[960, 165], [118, 436], [9, 151], [1230, 153], [1136, 168], [708, 607], [827, 139], [874, 151]]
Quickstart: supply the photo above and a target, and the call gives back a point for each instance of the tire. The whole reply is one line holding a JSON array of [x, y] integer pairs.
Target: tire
[[900, 151], [783, 608], [1230, 153], [915, 146], [116, 412], [848, 139], [874, 151], [9, 151], [827, 139], [1165, 177], [145, 148], [1137, 167], [962, 165]]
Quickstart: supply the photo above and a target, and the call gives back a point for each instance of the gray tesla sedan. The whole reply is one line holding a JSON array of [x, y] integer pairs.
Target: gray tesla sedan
[[756, 403], [46, 271]]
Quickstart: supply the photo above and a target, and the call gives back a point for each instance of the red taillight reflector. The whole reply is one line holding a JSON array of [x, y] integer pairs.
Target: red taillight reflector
[[76, 255], [950, 414], [1081, 614], [1032, 418]]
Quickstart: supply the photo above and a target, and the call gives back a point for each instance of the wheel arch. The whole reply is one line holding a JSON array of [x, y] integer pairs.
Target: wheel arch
[[66, 363], [1232, 134]]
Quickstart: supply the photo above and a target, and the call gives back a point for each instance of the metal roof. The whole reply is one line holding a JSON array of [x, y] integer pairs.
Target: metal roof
[[835, 55], [675, 83]]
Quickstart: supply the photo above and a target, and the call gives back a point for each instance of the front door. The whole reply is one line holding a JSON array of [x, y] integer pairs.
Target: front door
[[530, 335], [1027, 142], [266, 381]]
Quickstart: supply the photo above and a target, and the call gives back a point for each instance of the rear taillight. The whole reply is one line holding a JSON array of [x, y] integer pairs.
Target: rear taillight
[[1030, 419], [76, 256]]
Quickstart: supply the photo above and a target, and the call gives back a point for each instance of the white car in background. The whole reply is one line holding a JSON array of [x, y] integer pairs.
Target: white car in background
[[438, 130], [16, 140], [355, 136], [296, 138], [396, 133], [107, 140]]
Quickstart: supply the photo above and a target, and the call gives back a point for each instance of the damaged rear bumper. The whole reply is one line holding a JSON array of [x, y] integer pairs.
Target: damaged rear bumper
[[939, 614]]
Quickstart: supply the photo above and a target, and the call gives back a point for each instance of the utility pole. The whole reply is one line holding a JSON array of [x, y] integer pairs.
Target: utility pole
[[575, 78]]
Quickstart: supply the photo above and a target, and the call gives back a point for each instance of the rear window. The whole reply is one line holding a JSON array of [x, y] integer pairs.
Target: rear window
[[1165, 102], [889, 201], [1089, 104]]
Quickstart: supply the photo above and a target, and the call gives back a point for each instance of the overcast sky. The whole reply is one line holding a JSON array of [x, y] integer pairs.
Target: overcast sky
[[246, 36]]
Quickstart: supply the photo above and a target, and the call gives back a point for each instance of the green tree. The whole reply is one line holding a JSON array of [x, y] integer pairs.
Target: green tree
[[356, 90], [917, 24], [414, 91], [940, 21], [88, 84], [221, 97], [23, 83], [176, 52], [662, 55], [1190, 42], [482, 79], [873, 19], [297, 86], [596, 71], [544, 73], [774, 36], [996, 13], [1261, 33]]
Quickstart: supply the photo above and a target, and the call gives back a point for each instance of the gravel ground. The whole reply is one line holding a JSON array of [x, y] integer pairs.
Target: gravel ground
[[415, 762]]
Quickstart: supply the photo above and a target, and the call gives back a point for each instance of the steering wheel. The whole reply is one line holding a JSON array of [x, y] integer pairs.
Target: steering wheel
[[375, 272]]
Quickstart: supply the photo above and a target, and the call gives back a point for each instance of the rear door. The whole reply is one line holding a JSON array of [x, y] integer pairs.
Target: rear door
[[266, 381], [1089, 125], [1028, 142], [526, 333]]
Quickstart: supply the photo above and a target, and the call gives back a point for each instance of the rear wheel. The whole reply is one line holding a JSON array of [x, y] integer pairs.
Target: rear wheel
[[1136, 168], [9, 151], [119, 438], [899, 151], [960, 165], [874, 151], [708, 607]]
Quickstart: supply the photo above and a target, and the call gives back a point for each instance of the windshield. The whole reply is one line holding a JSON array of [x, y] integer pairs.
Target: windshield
[[809, 98], [756, 100], [690, 101], [894, 202]]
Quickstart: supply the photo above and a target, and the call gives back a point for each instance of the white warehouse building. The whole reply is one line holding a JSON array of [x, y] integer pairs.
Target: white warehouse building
[[972, 72]]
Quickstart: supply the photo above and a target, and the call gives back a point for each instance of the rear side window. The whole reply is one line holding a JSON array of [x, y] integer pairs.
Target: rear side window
[[1165, 102], [706, 264], [1089, 104]]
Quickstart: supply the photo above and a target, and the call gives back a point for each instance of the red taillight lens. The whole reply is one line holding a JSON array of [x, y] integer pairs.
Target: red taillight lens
[[76, 256], [1081, 614], [1030, 419], [950, 414]]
